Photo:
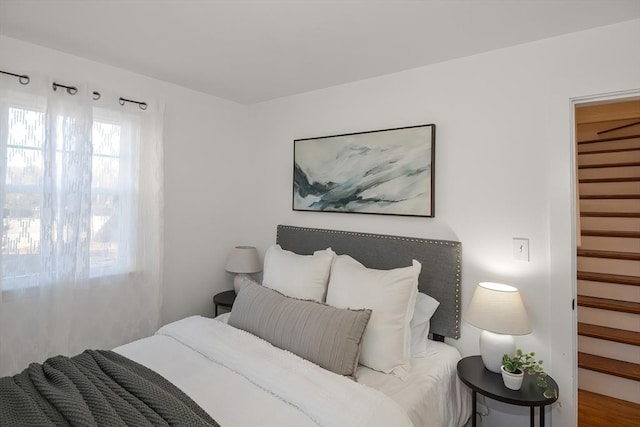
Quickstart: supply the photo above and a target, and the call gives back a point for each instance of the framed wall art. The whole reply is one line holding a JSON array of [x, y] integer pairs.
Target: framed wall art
[[388, 172]]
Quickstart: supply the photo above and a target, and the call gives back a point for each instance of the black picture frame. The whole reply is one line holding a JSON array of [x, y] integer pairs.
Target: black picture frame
[[383, 172]]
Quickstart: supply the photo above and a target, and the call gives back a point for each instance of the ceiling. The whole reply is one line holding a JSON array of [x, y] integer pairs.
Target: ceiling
[[252, 51]]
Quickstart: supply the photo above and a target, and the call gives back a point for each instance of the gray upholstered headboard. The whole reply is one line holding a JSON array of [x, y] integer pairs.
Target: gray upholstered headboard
[[441, 263]]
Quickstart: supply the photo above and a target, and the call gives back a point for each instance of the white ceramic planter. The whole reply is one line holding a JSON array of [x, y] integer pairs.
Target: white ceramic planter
[[512, 380]]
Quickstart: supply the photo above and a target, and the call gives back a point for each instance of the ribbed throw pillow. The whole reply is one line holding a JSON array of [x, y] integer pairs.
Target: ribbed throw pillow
[[327, 336]]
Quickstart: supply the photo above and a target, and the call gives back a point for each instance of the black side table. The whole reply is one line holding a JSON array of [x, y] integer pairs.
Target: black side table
[[472, 372], [224, 299]]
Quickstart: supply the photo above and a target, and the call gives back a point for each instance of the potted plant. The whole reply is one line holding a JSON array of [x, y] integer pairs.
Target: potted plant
[[514, 367]]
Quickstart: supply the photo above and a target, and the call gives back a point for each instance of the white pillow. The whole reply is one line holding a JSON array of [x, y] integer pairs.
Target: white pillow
[[420, 323], [297, 276], [391, 295]]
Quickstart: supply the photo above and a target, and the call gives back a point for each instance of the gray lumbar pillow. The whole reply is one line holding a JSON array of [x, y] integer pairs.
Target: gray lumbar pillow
[[327, 336]]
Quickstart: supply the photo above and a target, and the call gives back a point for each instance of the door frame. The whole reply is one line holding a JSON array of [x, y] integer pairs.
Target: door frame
[[609, 97]]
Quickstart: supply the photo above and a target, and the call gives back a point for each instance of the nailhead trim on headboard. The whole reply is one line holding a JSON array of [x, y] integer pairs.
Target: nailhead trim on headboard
[[447, 270]]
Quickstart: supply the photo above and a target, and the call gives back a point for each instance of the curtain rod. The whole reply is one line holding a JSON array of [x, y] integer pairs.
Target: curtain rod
[[142, 105], [22, 78], [72, 90]]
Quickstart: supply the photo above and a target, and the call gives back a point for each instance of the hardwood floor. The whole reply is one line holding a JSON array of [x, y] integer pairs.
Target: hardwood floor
[[596, 410]]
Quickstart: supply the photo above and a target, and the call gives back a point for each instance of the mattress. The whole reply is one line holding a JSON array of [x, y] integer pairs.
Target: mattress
[[430, 396]]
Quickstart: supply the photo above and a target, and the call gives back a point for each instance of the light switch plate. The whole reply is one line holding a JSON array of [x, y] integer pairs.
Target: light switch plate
[[521, 249]]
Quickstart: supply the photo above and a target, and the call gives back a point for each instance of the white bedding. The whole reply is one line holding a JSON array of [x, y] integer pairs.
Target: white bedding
[[242, 381], [432, 394]]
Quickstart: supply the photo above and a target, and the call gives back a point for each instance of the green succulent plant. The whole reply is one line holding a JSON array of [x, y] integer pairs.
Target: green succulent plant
[[527, 363]]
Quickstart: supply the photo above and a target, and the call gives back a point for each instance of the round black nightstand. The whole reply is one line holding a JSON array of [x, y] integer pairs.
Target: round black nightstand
[[224, 299], [472, 372]]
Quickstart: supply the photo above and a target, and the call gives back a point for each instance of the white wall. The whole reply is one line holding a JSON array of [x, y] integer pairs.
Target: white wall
[[205, 139], [503, 170]]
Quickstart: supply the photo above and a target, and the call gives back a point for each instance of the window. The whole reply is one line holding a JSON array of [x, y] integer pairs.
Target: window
[[21, 198], [113, 191]]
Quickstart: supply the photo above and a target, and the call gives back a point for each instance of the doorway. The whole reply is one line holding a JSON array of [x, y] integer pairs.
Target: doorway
[[607, 136]]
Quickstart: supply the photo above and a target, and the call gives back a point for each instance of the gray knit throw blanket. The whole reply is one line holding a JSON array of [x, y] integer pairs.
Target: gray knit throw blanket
[[95, 388]]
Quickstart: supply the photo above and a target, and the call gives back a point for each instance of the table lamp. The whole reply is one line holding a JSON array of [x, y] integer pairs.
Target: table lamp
[[242, 260], [498, 310]]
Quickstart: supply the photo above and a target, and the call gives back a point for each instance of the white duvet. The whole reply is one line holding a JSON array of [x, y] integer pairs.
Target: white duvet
[[244, 381], [432, 394]]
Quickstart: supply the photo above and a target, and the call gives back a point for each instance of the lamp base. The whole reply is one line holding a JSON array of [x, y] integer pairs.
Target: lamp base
[[240, 281], [493, 347]]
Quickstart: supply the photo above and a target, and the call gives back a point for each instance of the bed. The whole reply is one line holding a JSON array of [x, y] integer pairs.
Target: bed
[[241, 380]]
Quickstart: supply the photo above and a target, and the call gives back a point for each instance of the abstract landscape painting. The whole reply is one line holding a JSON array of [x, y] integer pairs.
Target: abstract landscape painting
[[386, 172]]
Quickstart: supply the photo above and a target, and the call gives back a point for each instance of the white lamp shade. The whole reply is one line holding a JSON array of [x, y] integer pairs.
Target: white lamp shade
[[243, 259], [499, 309]]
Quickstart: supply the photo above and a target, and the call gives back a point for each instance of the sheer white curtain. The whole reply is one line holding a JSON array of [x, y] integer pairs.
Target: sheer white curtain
[[81, 193]]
